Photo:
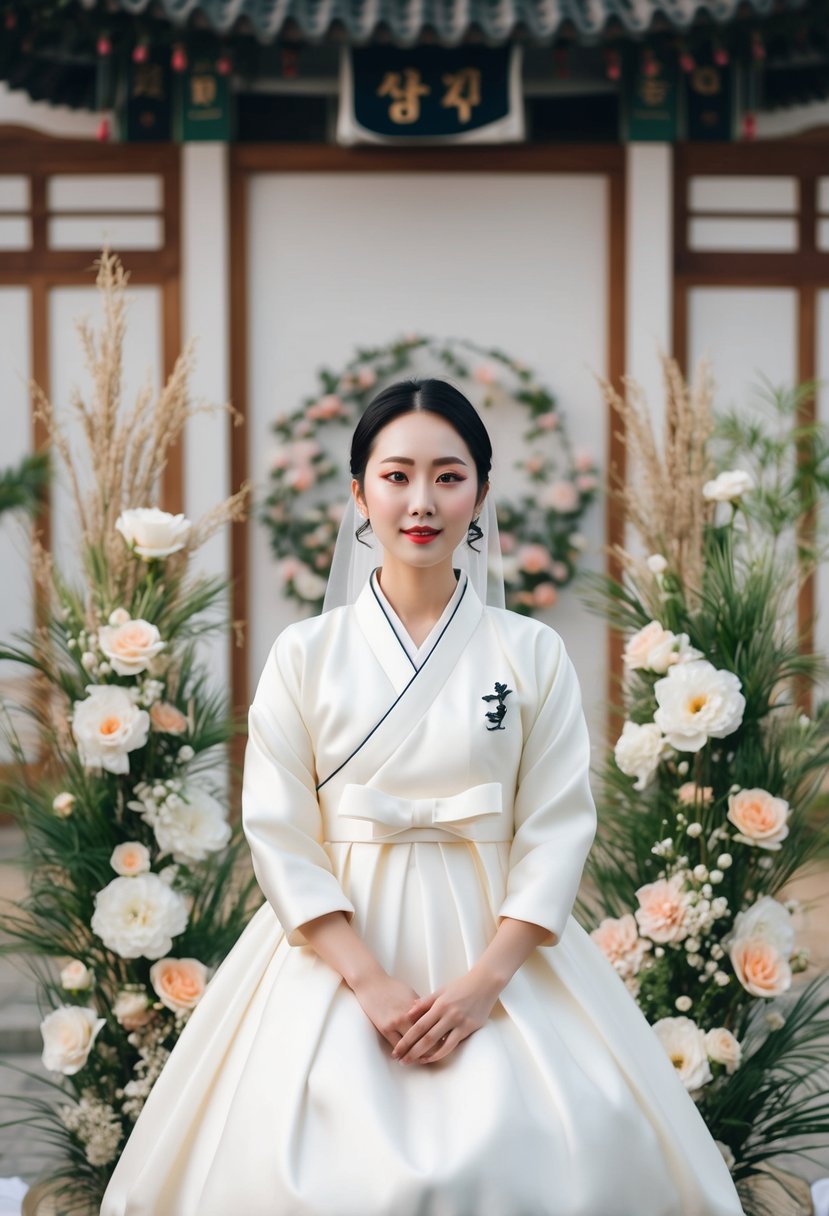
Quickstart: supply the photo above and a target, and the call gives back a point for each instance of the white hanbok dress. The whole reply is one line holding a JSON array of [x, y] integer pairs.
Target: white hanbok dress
[[379, 781]]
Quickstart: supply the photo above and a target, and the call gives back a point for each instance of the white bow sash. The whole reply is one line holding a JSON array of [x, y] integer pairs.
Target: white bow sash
[[460, 814]]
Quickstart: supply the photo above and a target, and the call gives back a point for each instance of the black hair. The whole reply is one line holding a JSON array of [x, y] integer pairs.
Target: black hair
[[436, 397]]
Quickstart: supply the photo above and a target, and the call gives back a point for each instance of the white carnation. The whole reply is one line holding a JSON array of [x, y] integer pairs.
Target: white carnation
[[685, 1044], [698, 702], [152, 532], [191, 825], [107, 726], [638, 751], [138, 917], [68, 1034]]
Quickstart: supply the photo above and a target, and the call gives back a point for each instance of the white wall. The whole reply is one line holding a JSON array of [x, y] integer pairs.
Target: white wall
[[518, 261]]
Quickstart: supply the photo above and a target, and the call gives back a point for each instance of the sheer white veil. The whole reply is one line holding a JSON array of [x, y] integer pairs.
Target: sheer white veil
[[354, 561]]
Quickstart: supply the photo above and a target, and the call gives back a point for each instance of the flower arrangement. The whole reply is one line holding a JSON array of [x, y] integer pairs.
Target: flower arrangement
[[709, 794], [540, 536], [135, 891]]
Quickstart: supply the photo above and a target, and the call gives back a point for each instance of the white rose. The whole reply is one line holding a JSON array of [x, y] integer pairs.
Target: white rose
[[638, 751], [132, 1009], [76, 976], [308, 584], [656, 649], [724, 1048], [63, 804], [68, 1034], [138, 917], [130, 646], [728, 486], [153, 533], [698, 702], [767, 920], [118, 616], [193, 827], [108, 725], [131, 857], [657, 563], [685, 1044]]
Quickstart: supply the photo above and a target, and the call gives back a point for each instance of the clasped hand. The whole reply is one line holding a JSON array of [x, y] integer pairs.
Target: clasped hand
[[430, 1027]]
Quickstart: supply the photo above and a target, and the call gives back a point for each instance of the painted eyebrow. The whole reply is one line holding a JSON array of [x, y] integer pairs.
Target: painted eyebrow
[[408, 460]]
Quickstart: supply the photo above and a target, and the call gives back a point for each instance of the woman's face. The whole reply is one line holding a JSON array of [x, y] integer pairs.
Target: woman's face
[[420, 472]]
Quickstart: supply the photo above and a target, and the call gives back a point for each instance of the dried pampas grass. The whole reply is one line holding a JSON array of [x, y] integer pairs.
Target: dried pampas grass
[[662, 497], [126, 455]]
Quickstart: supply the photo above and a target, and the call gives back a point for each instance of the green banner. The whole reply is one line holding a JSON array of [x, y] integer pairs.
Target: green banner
[[205, 105], [709, 102], [650, 105], [146, 113]]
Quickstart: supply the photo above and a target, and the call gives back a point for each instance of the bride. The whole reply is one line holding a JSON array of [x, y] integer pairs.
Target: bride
[[413, 1023]]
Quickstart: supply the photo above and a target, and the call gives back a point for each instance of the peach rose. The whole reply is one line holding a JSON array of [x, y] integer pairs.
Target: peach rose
[[760, 967], [179, 983], [689, 792], [547, 421], [301, 478], [620, 943], [484, 373], [661, 914], [534, 464], [637, 653], [759, 817], [561, 496], [130, 646], [507, 540], [533, 558], [130, 858], [545, 595], [586, 481], [167, 718], [583, 460], [328, 406]]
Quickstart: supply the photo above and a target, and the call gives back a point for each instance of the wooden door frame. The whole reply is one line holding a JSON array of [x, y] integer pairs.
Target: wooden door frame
[[804, 271], [39, 156], [608, 160]]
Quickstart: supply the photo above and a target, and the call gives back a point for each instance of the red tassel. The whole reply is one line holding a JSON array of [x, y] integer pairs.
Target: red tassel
[[758, 51], [749, 126], [721, 57], [289, 63], [178, 59], [104, 131], [613, 67], [11, 20], [140, 52], [224, 65], [687, 61], [104, 46]]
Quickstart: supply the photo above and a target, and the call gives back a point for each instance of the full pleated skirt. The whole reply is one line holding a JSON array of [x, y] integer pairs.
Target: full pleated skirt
[[282, 1099]]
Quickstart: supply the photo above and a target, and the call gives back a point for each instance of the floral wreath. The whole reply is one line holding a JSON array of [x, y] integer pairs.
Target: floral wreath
[[539, 531]]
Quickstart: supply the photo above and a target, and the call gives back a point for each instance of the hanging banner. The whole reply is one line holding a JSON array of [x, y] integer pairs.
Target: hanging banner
[[651, 101], [709, 101], [147, 111], [205, 101], [430, 94]]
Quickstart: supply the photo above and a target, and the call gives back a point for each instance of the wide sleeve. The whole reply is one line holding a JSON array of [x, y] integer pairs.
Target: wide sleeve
[[281, 815], [555, 815]]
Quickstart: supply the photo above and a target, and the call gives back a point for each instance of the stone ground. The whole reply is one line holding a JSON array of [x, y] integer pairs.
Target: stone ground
[[20, 1040]]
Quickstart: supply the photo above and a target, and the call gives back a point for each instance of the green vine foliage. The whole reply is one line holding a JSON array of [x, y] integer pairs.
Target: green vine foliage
[[308, 483], [676, 822]]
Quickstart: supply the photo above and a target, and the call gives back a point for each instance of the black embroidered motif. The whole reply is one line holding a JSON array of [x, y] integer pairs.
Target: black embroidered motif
[[496, 715]]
